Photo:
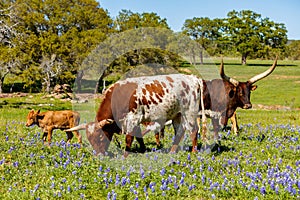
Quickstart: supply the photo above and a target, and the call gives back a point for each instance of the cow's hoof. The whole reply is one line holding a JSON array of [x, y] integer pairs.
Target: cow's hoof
[[174, 149], [194, 150]]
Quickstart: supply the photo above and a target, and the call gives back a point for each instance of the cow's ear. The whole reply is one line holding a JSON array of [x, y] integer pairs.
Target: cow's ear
[[253, 87]]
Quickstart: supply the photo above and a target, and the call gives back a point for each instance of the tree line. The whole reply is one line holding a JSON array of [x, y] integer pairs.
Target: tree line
[[43, 43]]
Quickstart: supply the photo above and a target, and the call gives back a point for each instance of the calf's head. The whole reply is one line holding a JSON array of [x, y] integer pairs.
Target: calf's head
[[240, 91], [32, 117]]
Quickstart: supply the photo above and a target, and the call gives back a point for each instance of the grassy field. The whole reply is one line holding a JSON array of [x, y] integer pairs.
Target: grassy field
[[262, 162]]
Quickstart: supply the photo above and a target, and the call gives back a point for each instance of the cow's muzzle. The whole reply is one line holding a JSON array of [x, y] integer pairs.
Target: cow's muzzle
[[247, 106]]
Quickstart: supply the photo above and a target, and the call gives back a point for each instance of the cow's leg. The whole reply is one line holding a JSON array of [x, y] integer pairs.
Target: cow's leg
[[162, 133], [217, 128], [194, 138], [159, 135], [49, 135], [179, 132], [45, 136], [69, 136], [129, 139], [234, 127], [157, 139], [78, 136], [139, 137]]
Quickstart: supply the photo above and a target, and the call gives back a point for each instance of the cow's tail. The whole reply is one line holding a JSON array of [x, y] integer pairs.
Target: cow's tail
[[204, 120]]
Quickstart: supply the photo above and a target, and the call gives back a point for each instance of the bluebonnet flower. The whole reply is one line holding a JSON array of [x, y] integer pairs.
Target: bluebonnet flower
[[16, 164], [191, 169], [61, 154], [263, 190], [36, 187], [203, 178], [181, 181], [142, 173], [195, 176], [176, 186], [81, 195], [163, 171], [69, 188], [117, 182], [123, 181]]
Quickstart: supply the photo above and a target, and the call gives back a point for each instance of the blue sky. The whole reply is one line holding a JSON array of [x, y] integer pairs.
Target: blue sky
[[176, 12]]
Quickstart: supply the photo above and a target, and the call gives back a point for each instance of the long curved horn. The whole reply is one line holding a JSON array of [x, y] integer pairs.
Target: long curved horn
[[227, 78], [77, 128], [264, 74]]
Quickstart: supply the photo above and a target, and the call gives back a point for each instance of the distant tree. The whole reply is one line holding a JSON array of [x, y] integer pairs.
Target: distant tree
[[204, 31], [294, 50], [252, 35], [70, 30], [8, 37], [127, 20]]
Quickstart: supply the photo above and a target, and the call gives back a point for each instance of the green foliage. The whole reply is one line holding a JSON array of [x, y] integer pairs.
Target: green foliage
[[254, 36], [156, 59], [68, 30], [127, 20]]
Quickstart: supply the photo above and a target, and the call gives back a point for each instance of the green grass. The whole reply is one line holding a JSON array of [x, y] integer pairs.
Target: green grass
[[262, 162]]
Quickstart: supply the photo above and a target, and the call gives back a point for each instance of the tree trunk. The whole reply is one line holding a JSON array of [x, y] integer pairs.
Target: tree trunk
[[244, 59], [48, 83], [78, 80], [201, 57], [96, 87], [1, 84]]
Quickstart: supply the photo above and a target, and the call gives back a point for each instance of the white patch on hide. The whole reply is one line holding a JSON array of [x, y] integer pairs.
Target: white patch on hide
[[91, 128]]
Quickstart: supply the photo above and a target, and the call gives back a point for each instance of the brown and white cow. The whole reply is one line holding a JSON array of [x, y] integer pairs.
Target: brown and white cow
[[51, 120], [142, 100]]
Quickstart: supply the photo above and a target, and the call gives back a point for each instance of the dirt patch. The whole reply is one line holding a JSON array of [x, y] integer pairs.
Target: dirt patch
[[11, 95]]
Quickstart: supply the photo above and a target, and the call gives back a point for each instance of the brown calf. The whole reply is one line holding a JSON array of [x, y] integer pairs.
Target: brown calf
[[51, 120]]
